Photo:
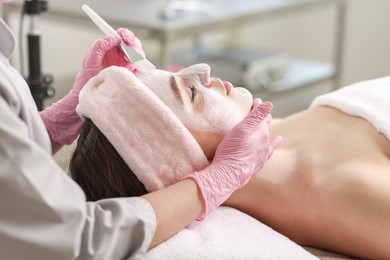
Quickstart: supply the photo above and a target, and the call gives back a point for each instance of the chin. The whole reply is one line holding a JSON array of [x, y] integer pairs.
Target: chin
[[242, 98]]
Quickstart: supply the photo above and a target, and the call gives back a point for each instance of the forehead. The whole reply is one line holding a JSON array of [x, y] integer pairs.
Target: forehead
[[162, 79], [161, 83], [154, 75]]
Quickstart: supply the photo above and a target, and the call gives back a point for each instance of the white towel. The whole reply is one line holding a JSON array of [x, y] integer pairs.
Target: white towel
[[367, 99], [228, 234]]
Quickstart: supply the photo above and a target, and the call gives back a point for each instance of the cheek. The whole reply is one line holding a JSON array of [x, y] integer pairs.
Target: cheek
[[219, 115], [224, 113]]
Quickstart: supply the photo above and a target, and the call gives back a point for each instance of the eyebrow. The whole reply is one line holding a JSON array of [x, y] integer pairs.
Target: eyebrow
[[175, 89]]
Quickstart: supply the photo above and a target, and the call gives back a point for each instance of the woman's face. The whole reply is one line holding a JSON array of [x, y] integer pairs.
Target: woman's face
[[208, 107]]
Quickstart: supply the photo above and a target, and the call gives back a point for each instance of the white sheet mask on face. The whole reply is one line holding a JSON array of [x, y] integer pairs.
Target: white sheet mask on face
[[219, 114]]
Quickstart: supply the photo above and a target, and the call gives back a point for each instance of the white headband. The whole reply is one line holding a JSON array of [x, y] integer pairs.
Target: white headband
[[150, 138]]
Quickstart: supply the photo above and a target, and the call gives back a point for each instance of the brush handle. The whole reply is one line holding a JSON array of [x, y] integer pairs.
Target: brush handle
[[137, 59], [103, 26]]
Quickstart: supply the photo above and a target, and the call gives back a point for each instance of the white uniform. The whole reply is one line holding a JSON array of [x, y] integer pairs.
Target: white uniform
[[43, 213]]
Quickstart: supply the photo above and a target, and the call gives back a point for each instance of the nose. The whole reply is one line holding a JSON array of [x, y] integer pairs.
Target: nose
[[202, 70], [217, 84], [204, 74]]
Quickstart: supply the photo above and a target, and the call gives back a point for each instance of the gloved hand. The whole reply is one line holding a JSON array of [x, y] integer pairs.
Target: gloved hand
[[239, 156], [61, 119]]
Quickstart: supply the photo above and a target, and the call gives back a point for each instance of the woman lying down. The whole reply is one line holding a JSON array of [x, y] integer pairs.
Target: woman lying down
[[326, 186]]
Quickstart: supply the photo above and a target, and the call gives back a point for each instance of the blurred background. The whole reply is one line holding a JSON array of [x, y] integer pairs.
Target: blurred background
[[286, 51]]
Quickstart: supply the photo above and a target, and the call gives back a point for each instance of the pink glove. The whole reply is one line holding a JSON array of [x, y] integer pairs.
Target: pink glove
[[239, 156], [61, 119]]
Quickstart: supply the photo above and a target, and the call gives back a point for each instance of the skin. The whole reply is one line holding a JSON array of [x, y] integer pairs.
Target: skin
[[331, 191], [326, 185]]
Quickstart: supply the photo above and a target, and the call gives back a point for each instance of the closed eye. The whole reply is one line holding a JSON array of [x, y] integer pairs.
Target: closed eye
[[176, 90], [193, 93]]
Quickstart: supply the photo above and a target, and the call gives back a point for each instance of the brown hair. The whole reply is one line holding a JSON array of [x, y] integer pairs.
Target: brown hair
[[98, 168]]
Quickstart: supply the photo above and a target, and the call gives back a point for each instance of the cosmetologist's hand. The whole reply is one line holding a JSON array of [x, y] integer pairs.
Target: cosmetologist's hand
[[105, 53], [239, 156], [61, 119]]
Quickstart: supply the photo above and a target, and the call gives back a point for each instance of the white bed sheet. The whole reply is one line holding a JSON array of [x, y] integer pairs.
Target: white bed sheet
[[230, 234]]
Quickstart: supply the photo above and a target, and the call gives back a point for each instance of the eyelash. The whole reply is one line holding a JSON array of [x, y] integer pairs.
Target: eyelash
[[193, 93]]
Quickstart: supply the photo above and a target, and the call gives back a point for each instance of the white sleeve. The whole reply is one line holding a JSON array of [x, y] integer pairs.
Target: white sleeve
[[44, 214]]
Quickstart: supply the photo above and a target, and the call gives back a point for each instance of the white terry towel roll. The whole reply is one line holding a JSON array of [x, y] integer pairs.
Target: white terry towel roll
[[367, 99]]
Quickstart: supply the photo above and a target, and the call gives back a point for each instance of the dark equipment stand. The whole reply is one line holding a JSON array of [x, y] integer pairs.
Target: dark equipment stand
[[39, 84]]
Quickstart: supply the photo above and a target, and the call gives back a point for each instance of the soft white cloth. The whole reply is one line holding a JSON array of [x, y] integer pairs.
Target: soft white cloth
[[145, 132], [228, 234], [367, 99]]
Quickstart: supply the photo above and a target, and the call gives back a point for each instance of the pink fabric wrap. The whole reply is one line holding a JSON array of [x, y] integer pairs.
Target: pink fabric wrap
[[145, 132]]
